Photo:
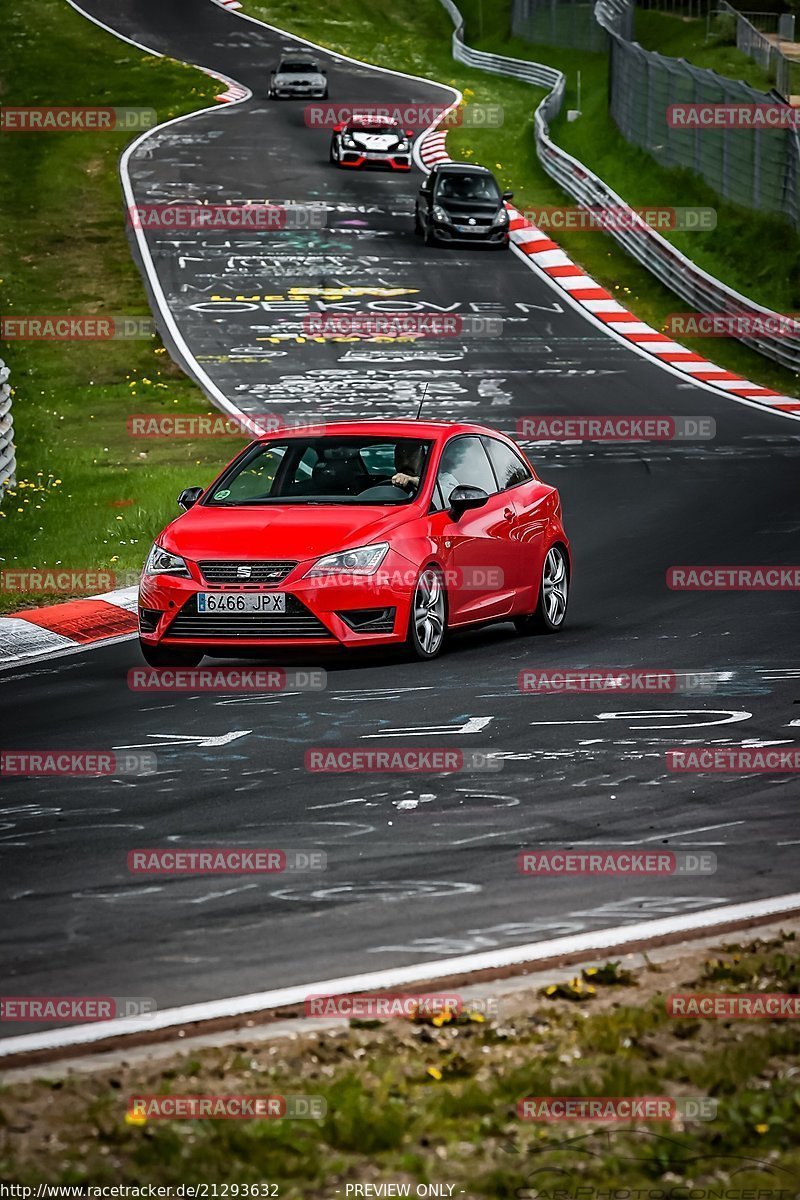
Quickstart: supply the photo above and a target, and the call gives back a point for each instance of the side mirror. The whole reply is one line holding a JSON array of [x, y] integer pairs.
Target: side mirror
[[508, 195], [189, 497], [463, 497]]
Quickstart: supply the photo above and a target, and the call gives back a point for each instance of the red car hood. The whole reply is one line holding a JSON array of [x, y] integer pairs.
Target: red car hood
[[279, 531]]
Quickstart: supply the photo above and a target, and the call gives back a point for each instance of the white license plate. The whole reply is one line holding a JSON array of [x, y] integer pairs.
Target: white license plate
[[241, 602]]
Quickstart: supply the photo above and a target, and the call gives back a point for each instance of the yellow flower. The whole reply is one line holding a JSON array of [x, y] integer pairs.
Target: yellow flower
[[762, 1128], [434, 1073], [548, 991], [132, 1118]]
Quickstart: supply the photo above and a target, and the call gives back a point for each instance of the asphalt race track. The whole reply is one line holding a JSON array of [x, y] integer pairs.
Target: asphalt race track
[[419, 867]]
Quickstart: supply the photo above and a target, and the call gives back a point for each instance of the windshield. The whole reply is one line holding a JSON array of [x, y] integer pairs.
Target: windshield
[[298, 68], [373, 127], [468, 187], [330, 470]]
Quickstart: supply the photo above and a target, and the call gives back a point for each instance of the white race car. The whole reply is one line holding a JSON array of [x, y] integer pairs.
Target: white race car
[[371, 141]]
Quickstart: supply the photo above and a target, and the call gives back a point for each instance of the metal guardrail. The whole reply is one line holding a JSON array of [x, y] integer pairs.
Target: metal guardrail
[[663, 260], [8, 462]]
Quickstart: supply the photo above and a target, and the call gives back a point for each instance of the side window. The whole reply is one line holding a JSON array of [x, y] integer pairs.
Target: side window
[[508, 466], [464, 462]]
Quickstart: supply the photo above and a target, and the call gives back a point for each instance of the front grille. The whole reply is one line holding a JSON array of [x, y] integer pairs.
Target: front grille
[[267, 572], [296, 622]]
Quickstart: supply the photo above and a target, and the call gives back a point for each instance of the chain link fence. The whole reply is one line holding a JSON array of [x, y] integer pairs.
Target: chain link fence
[[8, 462], [756, 168], [682, 276], [569, 23]]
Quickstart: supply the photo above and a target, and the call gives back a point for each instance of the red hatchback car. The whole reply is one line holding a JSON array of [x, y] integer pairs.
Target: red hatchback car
[[365, 534]]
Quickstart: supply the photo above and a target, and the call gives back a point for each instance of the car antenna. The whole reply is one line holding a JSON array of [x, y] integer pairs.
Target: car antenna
[[422, 401]]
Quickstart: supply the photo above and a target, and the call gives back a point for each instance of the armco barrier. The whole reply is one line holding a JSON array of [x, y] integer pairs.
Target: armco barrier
[[8, 462], [682, 276]]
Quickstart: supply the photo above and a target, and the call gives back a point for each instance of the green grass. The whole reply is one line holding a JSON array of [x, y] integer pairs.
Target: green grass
[[88, 496], [423, 1103], [752, 252], [692, 39]]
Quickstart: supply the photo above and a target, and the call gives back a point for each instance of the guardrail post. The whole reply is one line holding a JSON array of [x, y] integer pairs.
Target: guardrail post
[[8, 462]]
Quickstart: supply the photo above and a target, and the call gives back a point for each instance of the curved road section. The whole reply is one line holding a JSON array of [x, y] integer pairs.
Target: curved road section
[[419, 868]]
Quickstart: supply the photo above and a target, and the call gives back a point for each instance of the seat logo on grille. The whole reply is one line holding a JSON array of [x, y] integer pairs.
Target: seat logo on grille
[[243, 572]]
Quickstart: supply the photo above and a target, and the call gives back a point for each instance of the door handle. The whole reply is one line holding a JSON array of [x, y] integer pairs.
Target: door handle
[[508, 513]]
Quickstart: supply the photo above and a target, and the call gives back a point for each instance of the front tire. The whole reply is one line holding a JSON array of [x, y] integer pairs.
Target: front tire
[[427, 623], [551, 607], [169, 656]]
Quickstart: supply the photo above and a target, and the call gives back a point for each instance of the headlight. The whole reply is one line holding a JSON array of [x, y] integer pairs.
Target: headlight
[[161, 562], [363, 561], [348, 142], [439, 214], [402, 145], [502, 217]]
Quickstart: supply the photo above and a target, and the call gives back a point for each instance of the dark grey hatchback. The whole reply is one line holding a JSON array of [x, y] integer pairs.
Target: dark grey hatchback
[[459, 202]]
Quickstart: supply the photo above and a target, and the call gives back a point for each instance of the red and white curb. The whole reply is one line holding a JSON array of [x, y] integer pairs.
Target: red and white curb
[[542, 252], [38, 633], [231, 4]]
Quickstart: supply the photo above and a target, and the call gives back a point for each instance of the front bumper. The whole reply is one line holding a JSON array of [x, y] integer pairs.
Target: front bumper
[[493, 234], [283, 93], [367, 610], [395, 162]]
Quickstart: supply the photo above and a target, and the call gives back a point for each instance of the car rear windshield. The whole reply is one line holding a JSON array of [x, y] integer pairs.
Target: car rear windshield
[[304, 68], [467, 187], [330, 470]]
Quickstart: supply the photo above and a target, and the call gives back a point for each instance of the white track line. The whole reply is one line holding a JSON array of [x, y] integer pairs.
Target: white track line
[[234, 1006]]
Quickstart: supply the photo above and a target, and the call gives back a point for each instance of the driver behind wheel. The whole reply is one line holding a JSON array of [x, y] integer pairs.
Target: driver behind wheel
[[408, 463]]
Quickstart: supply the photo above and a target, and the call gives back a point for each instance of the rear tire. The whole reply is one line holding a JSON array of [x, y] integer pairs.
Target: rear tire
[[551, 607], [169, 656], [427, 623]]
